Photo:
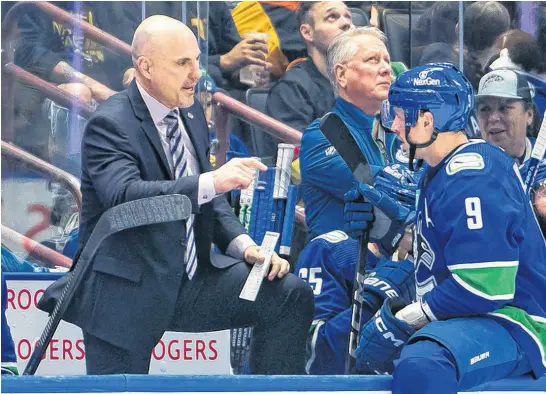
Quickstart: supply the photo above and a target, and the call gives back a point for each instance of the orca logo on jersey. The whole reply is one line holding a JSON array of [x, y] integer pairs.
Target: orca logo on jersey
[[381, 327], [424, 261]]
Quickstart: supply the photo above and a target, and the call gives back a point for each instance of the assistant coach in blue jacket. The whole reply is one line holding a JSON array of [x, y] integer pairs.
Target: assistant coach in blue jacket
[[149, 140], [359, 69]]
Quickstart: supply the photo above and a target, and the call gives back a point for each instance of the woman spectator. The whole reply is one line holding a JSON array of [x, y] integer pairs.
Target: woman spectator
[[506, 114]]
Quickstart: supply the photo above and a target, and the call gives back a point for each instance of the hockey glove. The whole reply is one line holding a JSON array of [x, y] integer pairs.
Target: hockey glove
[[399, 183], [390, 218], [358, 214], [388, 280], [382, 339]]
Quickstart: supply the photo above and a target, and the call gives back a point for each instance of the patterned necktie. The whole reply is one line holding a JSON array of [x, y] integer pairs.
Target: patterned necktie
[[180, 166]]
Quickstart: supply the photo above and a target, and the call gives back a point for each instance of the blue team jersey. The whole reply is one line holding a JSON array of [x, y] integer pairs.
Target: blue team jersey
[[325, 178], [328, 264], [478, 247]]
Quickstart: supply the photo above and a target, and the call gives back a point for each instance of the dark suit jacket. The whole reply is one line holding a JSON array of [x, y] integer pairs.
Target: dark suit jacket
[[130, 294]]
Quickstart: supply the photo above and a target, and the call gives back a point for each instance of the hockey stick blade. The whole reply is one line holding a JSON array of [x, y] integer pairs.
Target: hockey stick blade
[[128, 215], [537, 154], [336, 131]]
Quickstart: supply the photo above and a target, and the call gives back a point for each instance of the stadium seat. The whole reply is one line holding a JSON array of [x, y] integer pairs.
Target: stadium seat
[[395, 24], [359, 17], [263, 145], [295, 61]]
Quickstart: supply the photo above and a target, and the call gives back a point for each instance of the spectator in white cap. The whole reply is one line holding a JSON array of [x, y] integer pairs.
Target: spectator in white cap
[[506, 112]]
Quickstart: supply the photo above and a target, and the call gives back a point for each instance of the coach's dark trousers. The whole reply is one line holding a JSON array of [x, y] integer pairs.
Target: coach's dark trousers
[[281, 316]]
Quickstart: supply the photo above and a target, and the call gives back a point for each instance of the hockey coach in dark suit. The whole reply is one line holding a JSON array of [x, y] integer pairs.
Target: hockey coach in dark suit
[[149, 140]]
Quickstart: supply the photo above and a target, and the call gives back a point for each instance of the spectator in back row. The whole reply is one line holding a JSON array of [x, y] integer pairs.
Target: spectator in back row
[[63, 55], [518, 50], [304, 92], [278, 20], [483, 23], [523, 50], [435, 32], [227, 51]]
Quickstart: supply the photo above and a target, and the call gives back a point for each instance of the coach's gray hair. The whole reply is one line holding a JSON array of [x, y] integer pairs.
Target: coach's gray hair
[[343, 49]]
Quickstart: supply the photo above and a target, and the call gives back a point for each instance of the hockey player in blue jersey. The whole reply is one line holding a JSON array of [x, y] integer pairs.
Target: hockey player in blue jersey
[[479, 254], [328, 264]]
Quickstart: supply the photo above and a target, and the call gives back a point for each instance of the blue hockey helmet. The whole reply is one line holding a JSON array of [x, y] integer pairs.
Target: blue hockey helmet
[[437, 87]]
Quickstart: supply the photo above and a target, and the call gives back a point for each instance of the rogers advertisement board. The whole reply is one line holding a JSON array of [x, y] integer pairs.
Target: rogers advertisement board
[[175, 354]]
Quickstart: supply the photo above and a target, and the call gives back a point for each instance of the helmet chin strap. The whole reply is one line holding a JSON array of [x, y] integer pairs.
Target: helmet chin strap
[[413, 148]]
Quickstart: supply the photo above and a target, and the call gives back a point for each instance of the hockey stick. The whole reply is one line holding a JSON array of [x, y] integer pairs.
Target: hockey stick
[[335, 130], [537, 154], [131, 214]]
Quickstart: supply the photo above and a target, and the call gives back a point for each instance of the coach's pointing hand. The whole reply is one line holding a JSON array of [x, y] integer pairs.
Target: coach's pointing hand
[[236, 174]]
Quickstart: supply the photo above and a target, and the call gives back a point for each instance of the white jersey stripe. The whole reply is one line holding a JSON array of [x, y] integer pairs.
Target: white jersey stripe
[[489, 264]]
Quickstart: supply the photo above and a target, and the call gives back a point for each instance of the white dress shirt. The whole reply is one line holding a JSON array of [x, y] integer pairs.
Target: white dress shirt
[[206, 191]]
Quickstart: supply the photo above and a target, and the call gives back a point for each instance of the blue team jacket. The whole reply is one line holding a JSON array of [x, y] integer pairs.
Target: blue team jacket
[[325, 177]]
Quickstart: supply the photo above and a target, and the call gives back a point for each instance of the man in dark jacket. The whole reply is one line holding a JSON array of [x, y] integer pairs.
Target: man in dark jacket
[[304, 93], [152, 139]]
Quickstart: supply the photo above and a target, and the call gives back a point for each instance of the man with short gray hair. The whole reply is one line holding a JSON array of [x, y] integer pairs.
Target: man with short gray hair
[[344, 47], [359, 69]]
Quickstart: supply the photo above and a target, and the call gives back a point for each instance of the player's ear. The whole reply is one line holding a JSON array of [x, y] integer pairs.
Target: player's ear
[[428, 120], [530, 116]]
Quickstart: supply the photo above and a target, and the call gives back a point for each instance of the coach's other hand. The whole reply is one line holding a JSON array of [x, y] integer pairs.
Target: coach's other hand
[[279, 267], [237, 173]]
